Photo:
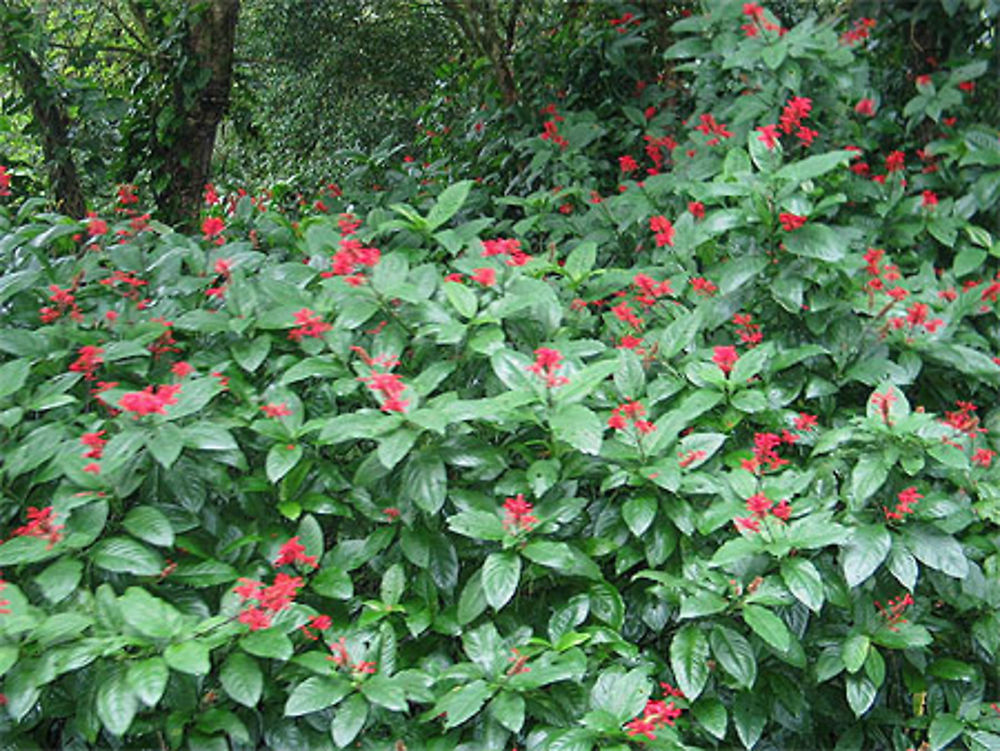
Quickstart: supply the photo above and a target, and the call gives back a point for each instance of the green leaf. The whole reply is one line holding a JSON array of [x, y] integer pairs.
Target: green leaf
[[463, 702], [578, 426], [242, 679], [869, 475], [148, 679], [150, 615], [479, 525], [125, 555], [281, 459], [316, 693], [638, 513], [581, 260], [768, 627], [13, 375], [205, 436], [689, 660], [60, 579], [803, 581], [116, 703], [448, 203], [188, 657], [814, 166], [749, 718], [393, 447], [507, 708], [854, 652], [734, 653], [861, 693], [710, 713], [149, 524], [501, 573], [249, 354], [462, 299], [386, 692], [622, 695], [816, 241], [864, 552], [267, 643], [348, 720], [938, 550], [943, 730], [165, 444], [750, 364], [425, 481]]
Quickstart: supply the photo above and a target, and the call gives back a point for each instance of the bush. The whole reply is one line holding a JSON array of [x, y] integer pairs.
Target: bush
[[702, 461]]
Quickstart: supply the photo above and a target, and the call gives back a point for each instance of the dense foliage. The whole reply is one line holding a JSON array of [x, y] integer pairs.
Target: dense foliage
[[654, 413]]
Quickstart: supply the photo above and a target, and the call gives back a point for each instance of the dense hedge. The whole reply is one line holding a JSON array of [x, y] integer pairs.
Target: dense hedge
[[681, 435]]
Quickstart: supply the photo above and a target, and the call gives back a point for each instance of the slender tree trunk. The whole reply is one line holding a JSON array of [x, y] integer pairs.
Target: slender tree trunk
[[49, 115], [189, 159], [490, 35]]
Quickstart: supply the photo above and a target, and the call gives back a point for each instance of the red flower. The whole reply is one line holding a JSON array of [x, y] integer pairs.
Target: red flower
[[968, 86], [907, 498], [758, 505], [664, 230], [983, 457], [485, 276], [276, 410], [929, 199], [895, 161], [87, 361], [783, 510], [702, 286], [865, 107], [697, 209], [768, 135], [805, 422], [308, 324], [256, 619], [4, 181], [924, 80], [93, 468], [96, 227], [41, 523], [95, 443], [212, 226], [294, 552], [146, 402], [747, 524], [181, 369], [806, 135], [791, 222], [547, 362], [627, 164], [518, 516], [725, 358]]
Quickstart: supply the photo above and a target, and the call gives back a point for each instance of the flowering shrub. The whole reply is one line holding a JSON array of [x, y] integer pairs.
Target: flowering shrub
[[707, 463]]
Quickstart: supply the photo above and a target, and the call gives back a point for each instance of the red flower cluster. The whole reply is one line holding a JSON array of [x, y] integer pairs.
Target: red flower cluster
[[928, 199], [270, 600], [983, 457], [649, 290], [916, 315], [906, 498], [725, 357], [765, 454], [508, 247], [696, 209], [41, 523], [622, 24], [4, 181], [547, 362], [963, 420], [212, 228], [710, 127], [318, 622], [389, 385], [94, 443], [96, 227], [895, 162], [759, 505], [65, 300], [703, 286], [551, 132], [860, 31], [633, 411], [655, 147], [308, 323], [518, 516], [484, 276], [686, 460], [749, 332], [182, 369], [627, 164], [893, 616], [768, 136], [664, 230], [865, 107], [340, 657], [805, 422], [88, 358], [882, 403], [624, 313], [791, 222], [276, 410], [148, 402], [656, 715], [294, 552]]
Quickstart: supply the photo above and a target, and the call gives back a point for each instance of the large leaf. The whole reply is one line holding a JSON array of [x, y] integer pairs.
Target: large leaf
[[689, 660], [578, 426], [116, 703], [768, 626], [316, 693], [448, 203], [734, 653], [864, 552], [242, 679], [501, 573]]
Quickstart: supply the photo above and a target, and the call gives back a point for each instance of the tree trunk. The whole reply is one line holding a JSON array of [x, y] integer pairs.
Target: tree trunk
[[188, 160], [489, 35], [49, 115]]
